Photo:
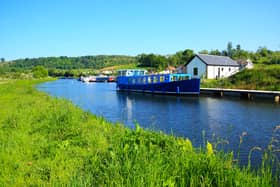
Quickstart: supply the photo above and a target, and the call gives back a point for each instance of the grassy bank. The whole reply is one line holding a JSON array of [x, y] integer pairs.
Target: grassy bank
[[262, 77], [46, 141]]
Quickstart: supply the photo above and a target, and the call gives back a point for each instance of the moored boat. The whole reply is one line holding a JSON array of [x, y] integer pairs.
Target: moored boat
[[138, 81], [111, 79], [102, 78], [88, 79]]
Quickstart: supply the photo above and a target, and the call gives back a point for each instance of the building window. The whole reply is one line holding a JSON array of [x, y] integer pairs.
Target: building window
[[229, 69], [195, 71], [222, 69]]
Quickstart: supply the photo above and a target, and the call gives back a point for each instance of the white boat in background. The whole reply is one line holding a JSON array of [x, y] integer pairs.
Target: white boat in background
[[88, 79], [99, 78]]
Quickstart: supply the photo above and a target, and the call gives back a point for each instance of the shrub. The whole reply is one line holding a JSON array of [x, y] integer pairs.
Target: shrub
[[39, 72]]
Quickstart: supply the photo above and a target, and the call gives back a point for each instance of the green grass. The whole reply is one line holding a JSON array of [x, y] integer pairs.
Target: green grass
[[262, 77], [46, 141]]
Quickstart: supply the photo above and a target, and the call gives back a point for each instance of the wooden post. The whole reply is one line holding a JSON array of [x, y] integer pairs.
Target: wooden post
[[277, 98]]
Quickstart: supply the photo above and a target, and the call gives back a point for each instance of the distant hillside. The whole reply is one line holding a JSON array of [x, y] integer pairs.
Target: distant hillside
[[63, 62], [151, 61], [262, 77]]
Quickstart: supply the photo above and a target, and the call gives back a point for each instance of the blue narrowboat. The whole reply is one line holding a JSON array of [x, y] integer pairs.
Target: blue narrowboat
[[139, 81]]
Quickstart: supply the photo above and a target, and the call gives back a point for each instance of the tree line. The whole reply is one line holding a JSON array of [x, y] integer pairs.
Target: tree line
[[261, 56], [64, 62], [151, 61]]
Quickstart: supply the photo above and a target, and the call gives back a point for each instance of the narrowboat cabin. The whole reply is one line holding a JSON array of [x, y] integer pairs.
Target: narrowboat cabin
[[139, 81]]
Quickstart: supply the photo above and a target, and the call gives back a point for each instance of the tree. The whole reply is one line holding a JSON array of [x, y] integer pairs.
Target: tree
[[187, 55], [179, 56], [152, 60], [276, 58], [2, 59], [263, 56], [204, 51], [69, 73], [239, 53], [224, 53], [229, 49], [215, 52], [238, 47], [39, 72], [264, 52], [174, 60], [1, 71]]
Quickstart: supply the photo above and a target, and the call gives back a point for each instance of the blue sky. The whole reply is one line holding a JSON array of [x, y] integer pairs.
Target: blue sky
[[39, 28]]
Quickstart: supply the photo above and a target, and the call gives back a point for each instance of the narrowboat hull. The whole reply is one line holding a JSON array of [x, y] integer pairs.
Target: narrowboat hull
[[183, 87], [101, 79]]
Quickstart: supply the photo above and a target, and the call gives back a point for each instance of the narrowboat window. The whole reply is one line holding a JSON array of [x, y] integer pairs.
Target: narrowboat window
[[133, 81], [166, 78], [149, 80], [144, 80], [155, 79], [195, 71], [139, 80], [162, 78], [129, 80]]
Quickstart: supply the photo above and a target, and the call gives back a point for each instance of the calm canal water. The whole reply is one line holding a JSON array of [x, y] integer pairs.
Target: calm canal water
[[198, 118]]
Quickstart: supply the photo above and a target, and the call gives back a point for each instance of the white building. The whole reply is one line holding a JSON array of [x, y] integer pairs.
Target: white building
[[211, 66], [245, 64]]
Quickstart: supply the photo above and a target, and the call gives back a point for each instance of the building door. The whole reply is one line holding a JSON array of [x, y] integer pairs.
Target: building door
[[219, 72]]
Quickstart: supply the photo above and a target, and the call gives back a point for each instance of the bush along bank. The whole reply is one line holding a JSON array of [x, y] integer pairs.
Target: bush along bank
[[46, 141]]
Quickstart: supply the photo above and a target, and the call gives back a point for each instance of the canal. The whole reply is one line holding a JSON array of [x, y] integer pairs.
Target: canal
[[218, 120]]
